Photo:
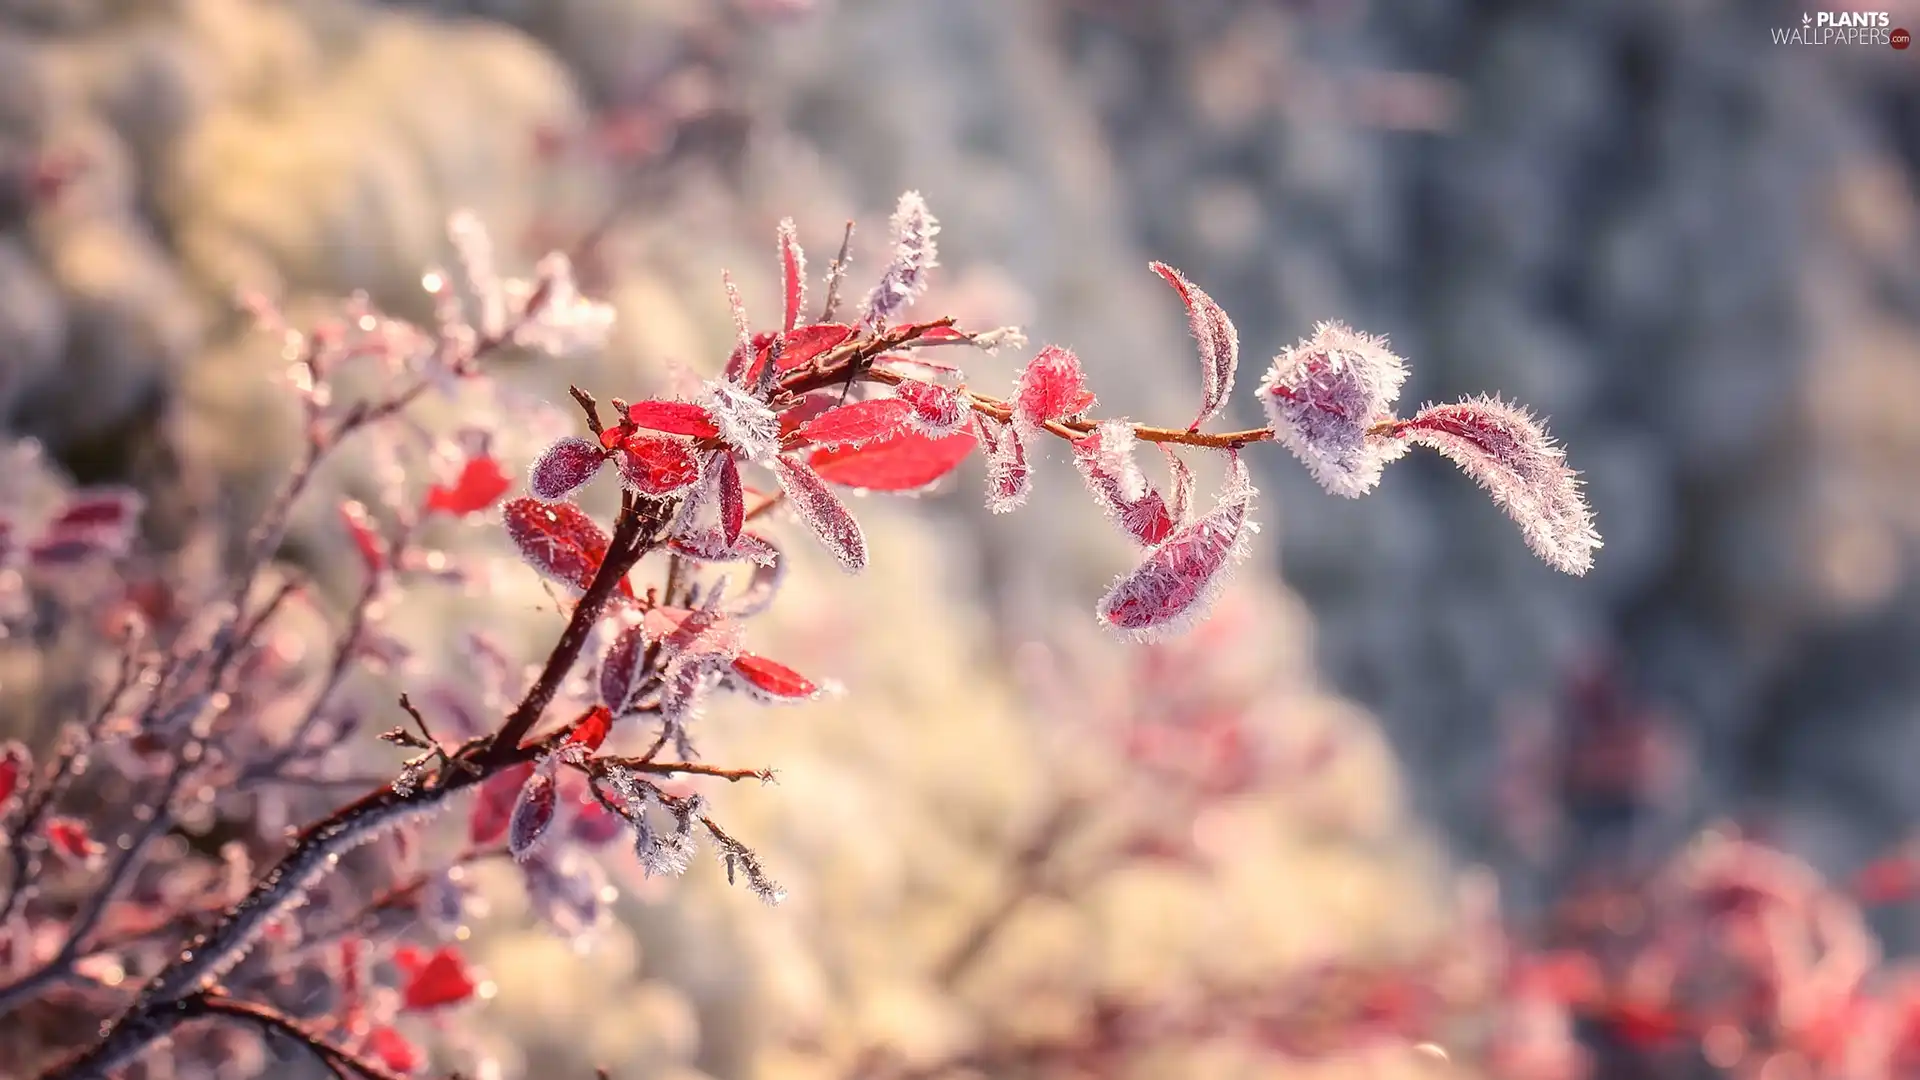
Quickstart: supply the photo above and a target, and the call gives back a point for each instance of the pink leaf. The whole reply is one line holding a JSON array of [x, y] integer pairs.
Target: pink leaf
[[657, 467], [367, 538], [1051, 387], [907, 462], [1180, 506], [533, 813], [1178, 580], [1009, 480], [481, 483], [1105, 460], [433, 980], [793, 274], [673, 418], [493, 806], [1218, 341], [859, 423], [16, 762], [733, 501], [1515, 460], [709, 545], [559, 540], [72, 841], [802, 346], [620, 668], [1322, 397], [564, 467], [770, 681], [937, 410], [822, 512]]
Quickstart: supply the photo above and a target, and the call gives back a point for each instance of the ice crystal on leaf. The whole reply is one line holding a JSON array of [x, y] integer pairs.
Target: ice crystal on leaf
[[657, 466], [533, 811], [1323, 396], [564, 467], [859, 423], [793, 274], [915, 254], [1009, 479], [1051, 387], [1105, 460], [821, 511], [1514, 459], [910, 461], [673, 418], [1177, 582], [937, 410]]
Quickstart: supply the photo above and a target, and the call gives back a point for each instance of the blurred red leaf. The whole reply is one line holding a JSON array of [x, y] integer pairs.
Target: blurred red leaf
[[480, 485], [433, 980], [493, 806], [765, 678]]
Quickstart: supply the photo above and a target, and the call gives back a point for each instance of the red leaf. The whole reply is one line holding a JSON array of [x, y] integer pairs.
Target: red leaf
[[1105, 460], [71, 841], [657, 466], [563, 467], [373, 547], [820, 510], [673, 417], [595, 825], [481, 483], [940, 333], [859, 423], [733, 501], [493, 807], [16, 761], [1644, 1025], [1218, 341], [793, 275], [621, 666], [392, 1049], [591, 729], [709, 545], [801, 346], [433, 981], [533, 814], [559, 540], [1051, 387], [906, 462], [937, 410], [768, 680], [806, 409]]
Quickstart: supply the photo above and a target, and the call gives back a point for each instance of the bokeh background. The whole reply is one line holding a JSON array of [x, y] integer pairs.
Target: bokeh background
[[1697, 251]]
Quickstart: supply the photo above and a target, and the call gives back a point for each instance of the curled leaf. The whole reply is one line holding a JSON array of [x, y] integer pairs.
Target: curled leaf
[[1322, 397], [1105, 460], [793, 274], [1218, 341], [1516, 461], [1051, 387], [1009, 479], [821, 511], [563, 467], [1177, 581]]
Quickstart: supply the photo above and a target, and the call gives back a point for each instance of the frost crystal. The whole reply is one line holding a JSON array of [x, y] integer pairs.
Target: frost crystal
[[915, 254], [1323, 394], [1218, 341], [1514, 459], [657, 466], [553, 317], [745, 422], [533, 811], [793, 274], [1177, 582], [1051, 387], [937, 410], [822, 512]]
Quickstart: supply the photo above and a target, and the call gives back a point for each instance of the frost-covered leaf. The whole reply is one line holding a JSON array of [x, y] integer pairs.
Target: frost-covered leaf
[[493, 804], [763, 587], [562, 323], [859, 423], [1516, 461], [709, 545], [673, 418], [915, 254], [557, 539], [1177, 581], [793, 274], [1218, 341], [391, 1049], [907, 462], [1009, 479], [657, 466], [533, 812], [733, 500], [1180, 504], [590, 731], [1322, 397], [937, 410], [1051, 387], [621, 667], [799, 347], [1105, 460], [563, 467], [821, 511], [770, 681], [366, 535], [71, 840]]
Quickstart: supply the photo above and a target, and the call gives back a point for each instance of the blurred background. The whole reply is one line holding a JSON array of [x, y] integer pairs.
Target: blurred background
[[1695, 250]]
